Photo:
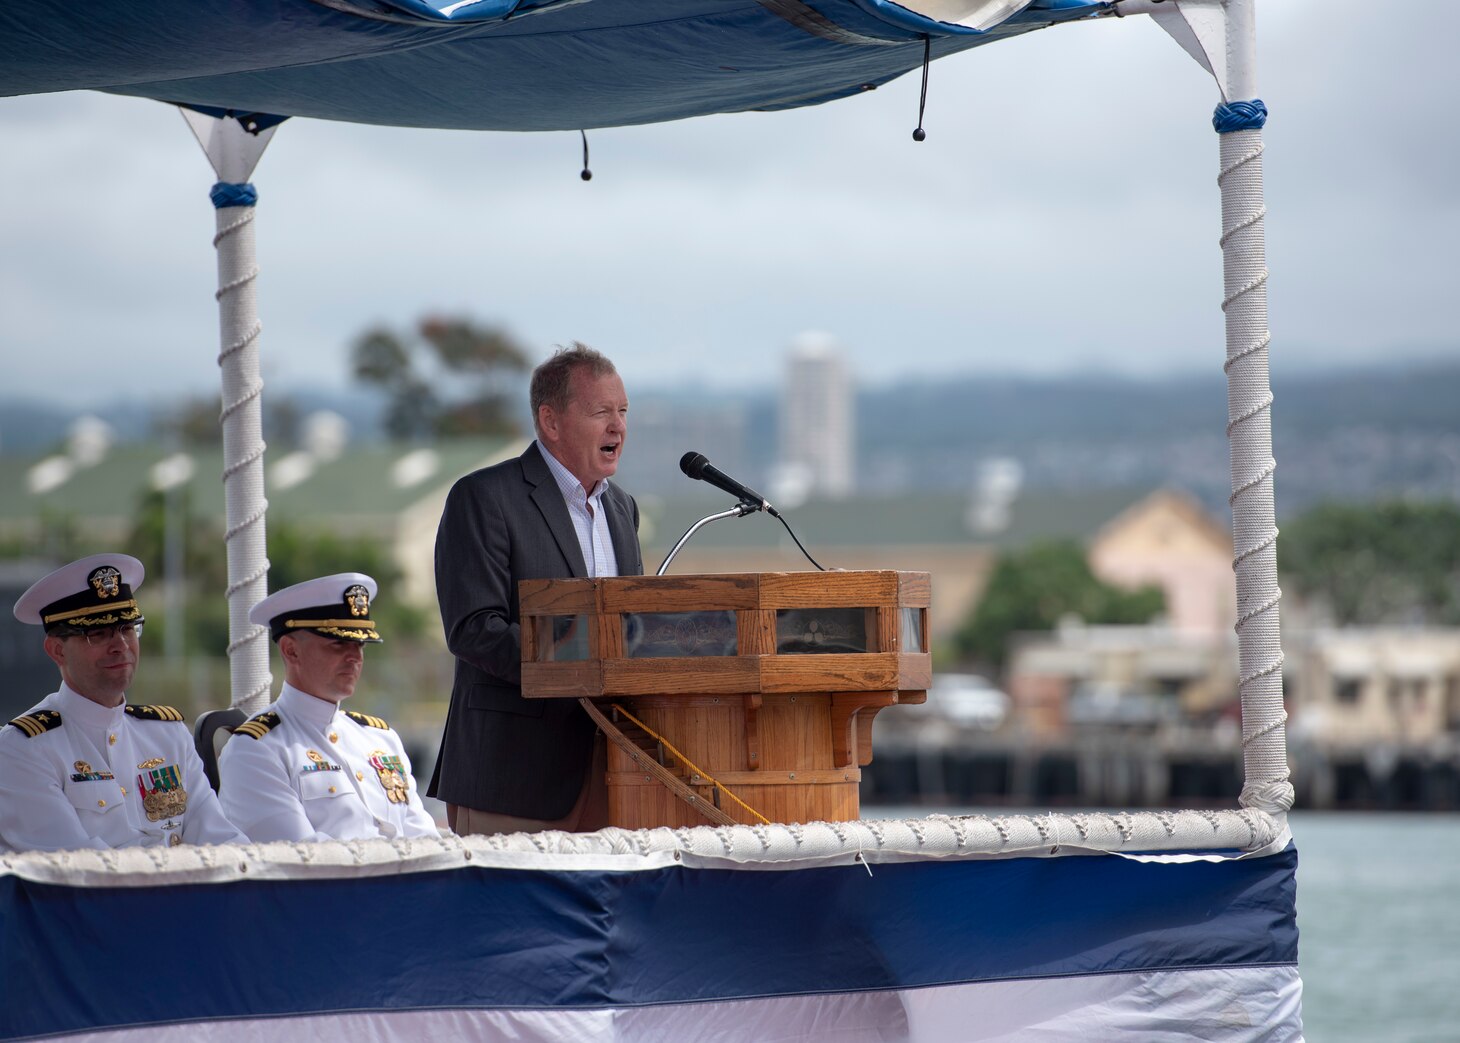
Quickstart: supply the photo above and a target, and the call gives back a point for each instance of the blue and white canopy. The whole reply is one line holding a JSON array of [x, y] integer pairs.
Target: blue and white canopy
[[497, 64]]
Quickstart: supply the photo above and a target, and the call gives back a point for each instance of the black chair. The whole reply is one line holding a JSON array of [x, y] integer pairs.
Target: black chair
[[209, 743]]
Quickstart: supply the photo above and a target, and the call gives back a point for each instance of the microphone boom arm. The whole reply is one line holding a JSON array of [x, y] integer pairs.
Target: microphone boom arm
[[740, 510]]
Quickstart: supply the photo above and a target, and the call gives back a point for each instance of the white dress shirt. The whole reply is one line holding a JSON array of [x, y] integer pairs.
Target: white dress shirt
[[99, 777], [319, 773], [590, 523]]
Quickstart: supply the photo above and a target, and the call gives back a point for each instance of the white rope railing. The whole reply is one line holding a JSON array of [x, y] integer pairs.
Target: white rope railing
[[1246, 831]]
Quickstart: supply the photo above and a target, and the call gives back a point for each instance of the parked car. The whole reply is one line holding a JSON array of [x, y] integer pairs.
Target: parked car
[[967, 700]]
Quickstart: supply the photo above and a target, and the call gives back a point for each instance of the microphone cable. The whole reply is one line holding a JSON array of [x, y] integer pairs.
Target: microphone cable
[[804, 551]]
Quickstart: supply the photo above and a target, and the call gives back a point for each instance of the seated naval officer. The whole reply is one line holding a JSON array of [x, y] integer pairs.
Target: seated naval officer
[[304, 769], [85, 768]]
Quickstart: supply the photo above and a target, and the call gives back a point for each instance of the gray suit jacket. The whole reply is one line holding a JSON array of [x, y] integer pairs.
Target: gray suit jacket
[[501, 752]]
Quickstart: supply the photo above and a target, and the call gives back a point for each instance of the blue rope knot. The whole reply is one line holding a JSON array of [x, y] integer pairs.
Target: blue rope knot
[[226, 193], [1239, 115]]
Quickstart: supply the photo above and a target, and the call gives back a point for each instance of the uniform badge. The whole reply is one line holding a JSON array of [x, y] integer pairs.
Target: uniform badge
[[84, 772], [150, 762], [317, 763], [162, 792], [106, 581], [392, 775], [358, 598]]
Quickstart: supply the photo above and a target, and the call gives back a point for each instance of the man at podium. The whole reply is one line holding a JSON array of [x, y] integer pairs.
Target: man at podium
[[509, 764]]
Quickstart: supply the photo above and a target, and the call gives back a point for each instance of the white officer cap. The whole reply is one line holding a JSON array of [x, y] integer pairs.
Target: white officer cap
[[335, 606], [92, 592]]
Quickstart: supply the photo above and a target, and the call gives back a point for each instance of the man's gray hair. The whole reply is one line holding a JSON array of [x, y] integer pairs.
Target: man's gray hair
[[552, 381]]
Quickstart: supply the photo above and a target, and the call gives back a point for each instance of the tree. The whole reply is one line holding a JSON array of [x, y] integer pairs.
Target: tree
[[297, 554], [204, 570], [482, 359], [1033, 589], [57, 536], [1376, 563], [195, 422], [192, 422]]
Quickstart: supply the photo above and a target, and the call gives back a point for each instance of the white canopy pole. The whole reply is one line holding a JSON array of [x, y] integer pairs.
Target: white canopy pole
[[1221, 35], [233, 145], [1239, 123]]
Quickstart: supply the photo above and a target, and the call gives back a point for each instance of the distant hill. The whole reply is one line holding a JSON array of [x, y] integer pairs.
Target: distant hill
[[1349, 434], [1341, 435]]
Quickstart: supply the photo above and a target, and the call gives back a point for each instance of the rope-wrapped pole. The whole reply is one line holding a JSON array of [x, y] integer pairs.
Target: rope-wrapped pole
[[243, 443], [1249, 426]]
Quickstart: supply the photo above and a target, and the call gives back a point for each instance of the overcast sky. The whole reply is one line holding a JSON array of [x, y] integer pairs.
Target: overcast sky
[[1062, 215]]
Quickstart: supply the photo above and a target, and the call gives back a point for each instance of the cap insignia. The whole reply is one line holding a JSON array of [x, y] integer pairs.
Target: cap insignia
[[358, 598], [106, 581]]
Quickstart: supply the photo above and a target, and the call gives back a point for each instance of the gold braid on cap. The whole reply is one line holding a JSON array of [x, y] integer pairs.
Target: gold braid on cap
[[316, 624], [354, 634], [354, 629], [82, 617]]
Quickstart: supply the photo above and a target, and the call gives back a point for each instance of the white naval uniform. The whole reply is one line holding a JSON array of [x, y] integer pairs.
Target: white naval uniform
[[275, 790], [75, 785]]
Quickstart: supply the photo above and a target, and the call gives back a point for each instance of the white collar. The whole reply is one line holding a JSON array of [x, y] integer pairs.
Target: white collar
[[77, 707], [304, 707], [568, 483]]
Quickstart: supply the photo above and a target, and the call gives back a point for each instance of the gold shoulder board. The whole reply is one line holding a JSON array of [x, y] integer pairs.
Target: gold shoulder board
[[257, 727], [367, 720], [34, 724], [154, 713]]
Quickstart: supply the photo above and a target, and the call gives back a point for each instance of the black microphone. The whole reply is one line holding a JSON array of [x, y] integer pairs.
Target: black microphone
[[701, 470]]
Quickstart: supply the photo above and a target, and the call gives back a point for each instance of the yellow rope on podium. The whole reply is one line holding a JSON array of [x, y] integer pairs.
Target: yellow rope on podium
[[691, 765]]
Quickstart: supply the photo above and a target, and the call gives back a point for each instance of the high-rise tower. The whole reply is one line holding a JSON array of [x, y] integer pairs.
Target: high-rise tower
[[817, 439]]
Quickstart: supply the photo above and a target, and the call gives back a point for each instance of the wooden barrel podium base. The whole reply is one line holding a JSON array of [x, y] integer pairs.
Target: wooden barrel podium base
[[789, 735]]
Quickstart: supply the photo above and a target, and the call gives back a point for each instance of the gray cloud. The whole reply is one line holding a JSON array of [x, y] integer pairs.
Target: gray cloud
[[1062, 213]]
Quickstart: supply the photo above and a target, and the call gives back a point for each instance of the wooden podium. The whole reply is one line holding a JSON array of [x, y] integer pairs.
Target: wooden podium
[[765, 684]]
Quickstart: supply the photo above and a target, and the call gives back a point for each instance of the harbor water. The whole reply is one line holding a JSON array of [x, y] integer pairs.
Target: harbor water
[[1378, 923], [1379, 927]]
